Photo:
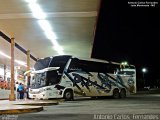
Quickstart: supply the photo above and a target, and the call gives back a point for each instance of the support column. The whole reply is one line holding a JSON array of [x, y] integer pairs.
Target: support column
[[5, 72], [28, 67], [12, 82], [28, 60]]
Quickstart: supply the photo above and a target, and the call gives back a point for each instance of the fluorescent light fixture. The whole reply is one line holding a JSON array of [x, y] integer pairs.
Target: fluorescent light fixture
[[17, 61], [51, 36], [21, 62], [44, 24], [58, 48], [60, 52], [37, 11], [31, 1], [3, 54], [54, 42]]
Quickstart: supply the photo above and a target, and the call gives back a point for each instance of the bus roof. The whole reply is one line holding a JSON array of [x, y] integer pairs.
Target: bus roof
[[90, 59], [99, 60]]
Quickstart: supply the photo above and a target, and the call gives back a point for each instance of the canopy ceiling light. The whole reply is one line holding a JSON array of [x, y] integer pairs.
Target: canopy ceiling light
[[44, 24], [17, 61]]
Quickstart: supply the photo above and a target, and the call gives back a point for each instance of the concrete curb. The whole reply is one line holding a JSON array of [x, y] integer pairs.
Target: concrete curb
[[4, 98], [22, 110], [26, 106], [39, 104]]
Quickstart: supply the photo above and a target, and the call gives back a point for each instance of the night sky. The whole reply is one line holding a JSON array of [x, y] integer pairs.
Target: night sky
[[132, 34]]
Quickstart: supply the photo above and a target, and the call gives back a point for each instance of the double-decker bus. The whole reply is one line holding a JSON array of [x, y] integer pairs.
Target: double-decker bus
[[66, 76]]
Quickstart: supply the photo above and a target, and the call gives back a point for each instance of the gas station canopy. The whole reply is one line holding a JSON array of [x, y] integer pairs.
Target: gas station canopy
[[48, 27]]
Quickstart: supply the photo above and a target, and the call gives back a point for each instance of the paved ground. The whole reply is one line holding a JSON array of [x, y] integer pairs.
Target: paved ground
[[88, 109]]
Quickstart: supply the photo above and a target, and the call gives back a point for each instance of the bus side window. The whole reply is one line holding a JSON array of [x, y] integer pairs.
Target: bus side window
[[53, 77], [73, 65]]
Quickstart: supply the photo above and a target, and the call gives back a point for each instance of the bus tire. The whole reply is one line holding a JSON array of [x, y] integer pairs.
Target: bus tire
[[123, 93], [68, 95], [116, 94]]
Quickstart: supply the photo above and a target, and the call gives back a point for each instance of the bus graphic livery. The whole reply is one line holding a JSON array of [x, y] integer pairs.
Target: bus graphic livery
[[66, 76]]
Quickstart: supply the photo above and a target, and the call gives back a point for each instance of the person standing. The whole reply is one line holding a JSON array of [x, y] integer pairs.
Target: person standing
[[25, 92], [17, 91], [21, 90]]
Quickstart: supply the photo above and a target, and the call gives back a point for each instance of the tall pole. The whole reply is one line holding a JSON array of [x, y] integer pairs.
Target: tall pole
[[144, 80], [12, 95], [144, 70], [28, 60]]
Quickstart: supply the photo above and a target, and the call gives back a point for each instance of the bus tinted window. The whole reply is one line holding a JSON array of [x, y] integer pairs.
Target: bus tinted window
[[92, 66], [42, 63], [53, 78], [59, 61], [126, 72]]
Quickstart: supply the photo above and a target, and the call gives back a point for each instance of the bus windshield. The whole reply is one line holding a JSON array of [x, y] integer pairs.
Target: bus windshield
[[38, 80], [48, 71]]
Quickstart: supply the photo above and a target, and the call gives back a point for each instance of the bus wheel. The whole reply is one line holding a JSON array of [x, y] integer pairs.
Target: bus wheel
[[116, 94], [68, 95], [123, 93]]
